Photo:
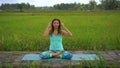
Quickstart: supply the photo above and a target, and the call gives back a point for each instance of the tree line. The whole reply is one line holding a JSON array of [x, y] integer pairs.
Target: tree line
[[16, 7], [92, 5]]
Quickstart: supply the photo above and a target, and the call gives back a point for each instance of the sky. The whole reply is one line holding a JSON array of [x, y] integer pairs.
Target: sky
[[42, 3]]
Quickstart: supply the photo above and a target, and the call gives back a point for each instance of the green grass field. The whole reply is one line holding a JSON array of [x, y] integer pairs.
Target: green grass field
[[91, 30]]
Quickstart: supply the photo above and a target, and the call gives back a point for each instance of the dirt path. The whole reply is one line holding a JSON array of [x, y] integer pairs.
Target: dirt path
[[14, 58]]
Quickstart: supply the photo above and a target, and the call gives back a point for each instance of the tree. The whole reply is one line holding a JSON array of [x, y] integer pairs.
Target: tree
[[84, 7], [110, 4], [92, 5], [67, 6], [14, 7], [20, 6]]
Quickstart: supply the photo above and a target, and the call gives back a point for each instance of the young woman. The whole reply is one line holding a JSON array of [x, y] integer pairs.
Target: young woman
[[56, 48]]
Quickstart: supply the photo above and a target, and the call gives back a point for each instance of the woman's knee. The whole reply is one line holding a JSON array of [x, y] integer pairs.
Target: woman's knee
[[67, 55], [45, 55]]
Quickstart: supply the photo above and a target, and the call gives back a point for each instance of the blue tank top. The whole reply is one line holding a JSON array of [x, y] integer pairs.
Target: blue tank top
[[56, 42]]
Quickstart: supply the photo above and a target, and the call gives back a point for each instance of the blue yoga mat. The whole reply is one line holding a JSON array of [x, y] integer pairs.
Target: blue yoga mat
[[75, 57]]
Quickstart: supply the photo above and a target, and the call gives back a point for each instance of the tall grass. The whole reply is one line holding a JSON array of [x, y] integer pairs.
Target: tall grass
[[91, 30]]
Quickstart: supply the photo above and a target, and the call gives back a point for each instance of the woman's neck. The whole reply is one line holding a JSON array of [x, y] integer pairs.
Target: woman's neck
[[56, 29], [56, 32]]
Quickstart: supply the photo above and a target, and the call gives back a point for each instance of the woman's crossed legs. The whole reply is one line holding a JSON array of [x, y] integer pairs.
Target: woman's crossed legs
[[56, 54]]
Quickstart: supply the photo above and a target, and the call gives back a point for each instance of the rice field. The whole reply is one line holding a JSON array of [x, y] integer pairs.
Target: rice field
[[98, 30]]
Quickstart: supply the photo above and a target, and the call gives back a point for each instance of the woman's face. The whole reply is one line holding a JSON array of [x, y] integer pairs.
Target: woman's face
[[56, 24]]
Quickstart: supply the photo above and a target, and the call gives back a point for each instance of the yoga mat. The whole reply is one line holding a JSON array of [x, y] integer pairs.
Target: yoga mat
[[75, 57]]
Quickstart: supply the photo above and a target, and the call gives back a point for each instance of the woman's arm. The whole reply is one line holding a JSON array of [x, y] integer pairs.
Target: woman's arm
[[47, 31], [65, 32]]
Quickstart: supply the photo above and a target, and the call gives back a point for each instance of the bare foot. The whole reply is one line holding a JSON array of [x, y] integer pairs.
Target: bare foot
[[54, 54], [57, 55]]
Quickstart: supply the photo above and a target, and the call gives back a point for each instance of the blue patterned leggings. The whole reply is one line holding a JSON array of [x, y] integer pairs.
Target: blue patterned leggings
[[48, 54]]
